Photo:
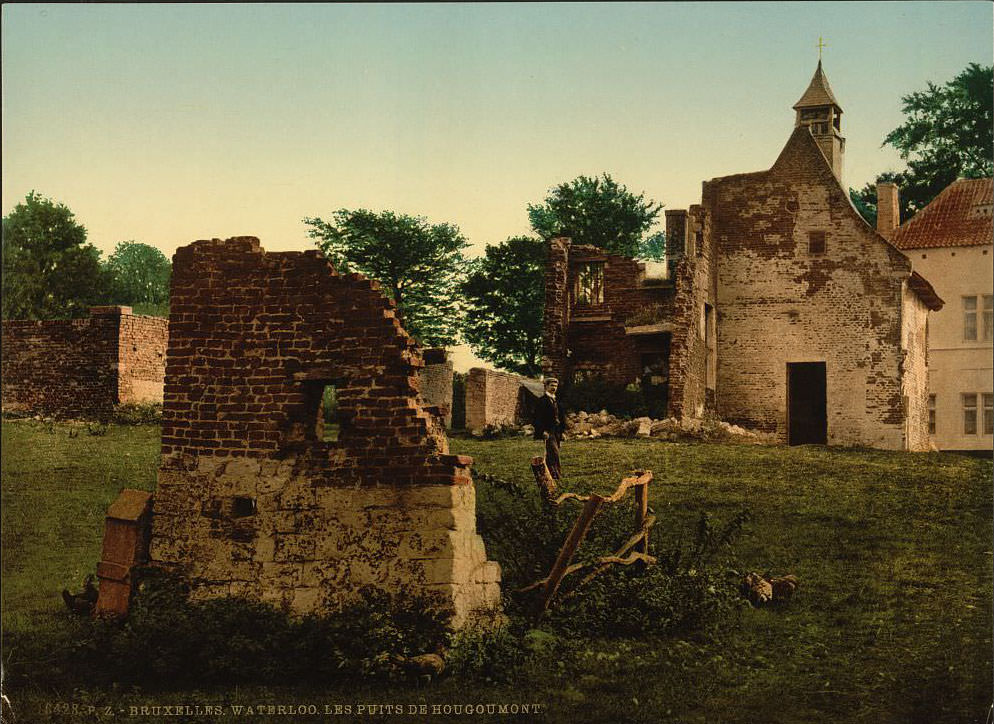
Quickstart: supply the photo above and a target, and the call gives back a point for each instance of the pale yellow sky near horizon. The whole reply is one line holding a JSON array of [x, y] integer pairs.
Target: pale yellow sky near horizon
[[171, 123]]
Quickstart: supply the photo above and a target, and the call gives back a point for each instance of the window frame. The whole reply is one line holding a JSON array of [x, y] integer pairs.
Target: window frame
[[969, 318], [817, 237], [931, 414], [987, 310], [583, 272], [969, 412], [987, 414]]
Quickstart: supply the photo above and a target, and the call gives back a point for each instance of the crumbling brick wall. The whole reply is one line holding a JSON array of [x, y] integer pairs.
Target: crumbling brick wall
[[141, 358], [436, 382], [83, 367], [914, 368], [494, 397], [781, 302], [251, 499]]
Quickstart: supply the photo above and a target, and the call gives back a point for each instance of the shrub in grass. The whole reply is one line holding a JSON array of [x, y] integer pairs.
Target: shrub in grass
[[169, 638], [142, 413]]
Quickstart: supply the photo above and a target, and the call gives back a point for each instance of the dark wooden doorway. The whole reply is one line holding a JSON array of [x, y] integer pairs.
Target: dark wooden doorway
[[807, 415]]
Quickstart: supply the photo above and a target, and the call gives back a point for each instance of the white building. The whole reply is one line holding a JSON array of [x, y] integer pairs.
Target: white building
[[950, 243]]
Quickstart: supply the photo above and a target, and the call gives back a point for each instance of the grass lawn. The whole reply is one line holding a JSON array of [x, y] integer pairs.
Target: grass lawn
[[892, 621]]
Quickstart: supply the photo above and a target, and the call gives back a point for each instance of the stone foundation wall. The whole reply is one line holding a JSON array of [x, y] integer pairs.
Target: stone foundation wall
[[496, 398], [83, 367], [436, 383], [251, 498]]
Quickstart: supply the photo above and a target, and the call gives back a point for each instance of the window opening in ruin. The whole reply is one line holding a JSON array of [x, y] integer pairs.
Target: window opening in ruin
[[589, 287], [988, 399], [931, 414], [807, 403], [970, 319], [970, 413], [242, 507], [816, 242]]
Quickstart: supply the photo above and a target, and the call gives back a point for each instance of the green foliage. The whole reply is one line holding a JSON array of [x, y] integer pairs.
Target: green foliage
[[139, 274], [624, 401], [226, 641], [419, 264], [505, 299], [49, 271], [948, 133], [601, 212], [142, 413]]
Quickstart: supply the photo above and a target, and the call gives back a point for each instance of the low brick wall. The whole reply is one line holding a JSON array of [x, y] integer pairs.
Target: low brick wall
[[436, 382], [495, 398], [83, 367]]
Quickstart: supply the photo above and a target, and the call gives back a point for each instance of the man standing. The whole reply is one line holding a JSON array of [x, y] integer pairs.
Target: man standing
[[550, 423]]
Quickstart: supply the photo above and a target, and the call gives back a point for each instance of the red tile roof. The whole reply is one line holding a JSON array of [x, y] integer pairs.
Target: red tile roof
[[959, 216]]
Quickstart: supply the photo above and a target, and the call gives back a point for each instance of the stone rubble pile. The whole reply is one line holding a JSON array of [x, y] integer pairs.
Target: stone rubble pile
[[603, 424]]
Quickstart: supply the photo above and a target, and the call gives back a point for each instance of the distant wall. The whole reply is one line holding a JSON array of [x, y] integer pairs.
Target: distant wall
[[436, 382], [495, 398], [83, 367]]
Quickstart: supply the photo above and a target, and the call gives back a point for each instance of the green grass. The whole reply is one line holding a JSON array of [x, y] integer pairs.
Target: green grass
[[891, 623]]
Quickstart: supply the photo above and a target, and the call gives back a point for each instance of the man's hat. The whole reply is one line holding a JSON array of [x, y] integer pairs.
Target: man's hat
[[550, 379]]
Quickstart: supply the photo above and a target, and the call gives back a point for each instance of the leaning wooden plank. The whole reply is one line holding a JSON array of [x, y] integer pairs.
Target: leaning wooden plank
[[570, 545], [546, 483]]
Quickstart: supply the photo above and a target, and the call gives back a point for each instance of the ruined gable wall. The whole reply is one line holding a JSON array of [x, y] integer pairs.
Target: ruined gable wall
[[596, 335], [780, 304], [251, 500], [556, 314], [142, 358], [914, 366], [66, 368]]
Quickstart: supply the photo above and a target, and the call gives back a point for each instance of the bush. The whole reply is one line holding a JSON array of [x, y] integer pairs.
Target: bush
[[237, 640], [141, 413], [594, 395], [686, 590]]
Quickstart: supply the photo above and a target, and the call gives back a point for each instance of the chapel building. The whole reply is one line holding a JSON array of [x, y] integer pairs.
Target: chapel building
[[783, 310]]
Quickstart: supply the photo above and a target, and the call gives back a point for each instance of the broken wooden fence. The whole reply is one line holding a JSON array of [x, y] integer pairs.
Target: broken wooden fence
[[635, 549]]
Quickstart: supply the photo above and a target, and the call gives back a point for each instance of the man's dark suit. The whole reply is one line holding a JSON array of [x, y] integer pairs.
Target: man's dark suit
[[550, 418]]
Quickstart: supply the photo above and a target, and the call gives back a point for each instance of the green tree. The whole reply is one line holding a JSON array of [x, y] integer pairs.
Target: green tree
[[504, 294], [139, 275], [49, 271], [419, 264], [601, 212], [948, 133]]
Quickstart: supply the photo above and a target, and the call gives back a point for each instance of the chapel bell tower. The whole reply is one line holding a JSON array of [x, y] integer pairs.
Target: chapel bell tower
[[821, 113]]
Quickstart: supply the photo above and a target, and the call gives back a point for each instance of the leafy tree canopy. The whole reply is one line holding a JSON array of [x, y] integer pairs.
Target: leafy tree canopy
[[418, 263], [948, 133], [49, 271], [505, 297], [139, 274], [601, 212]]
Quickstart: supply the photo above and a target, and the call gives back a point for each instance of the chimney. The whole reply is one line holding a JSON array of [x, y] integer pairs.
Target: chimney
[[888, 209]]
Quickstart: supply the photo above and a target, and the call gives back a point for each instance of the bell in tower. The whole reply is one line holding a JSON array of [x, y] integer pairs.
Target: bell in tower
[[821, 113]]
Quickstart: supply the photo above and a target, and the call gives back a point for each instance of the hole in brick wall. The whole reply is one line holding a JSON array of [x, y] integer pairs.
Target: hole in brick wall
[[242, 507]]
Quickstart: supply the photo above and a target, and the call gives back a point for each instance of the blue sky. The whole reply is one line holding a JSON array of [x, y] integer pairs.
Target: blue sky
[[169, 123]]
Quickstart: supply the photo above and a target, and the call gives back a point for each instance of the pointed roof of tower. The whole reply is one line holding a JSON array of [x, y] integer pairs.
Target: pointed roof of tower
[[819, 92]]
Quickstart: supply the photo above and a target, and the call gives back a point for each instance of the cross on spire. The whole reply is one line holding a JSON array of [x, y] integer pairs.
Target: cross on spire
[[820, 46]]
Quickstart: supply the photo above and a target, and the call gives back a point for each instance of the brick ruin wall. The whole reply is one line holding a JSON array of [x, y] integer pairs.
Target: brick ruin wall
[[436, 383], [494, 397], [83, 367], [593, 340], [141, 358], [780, 304], [251, 499]]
